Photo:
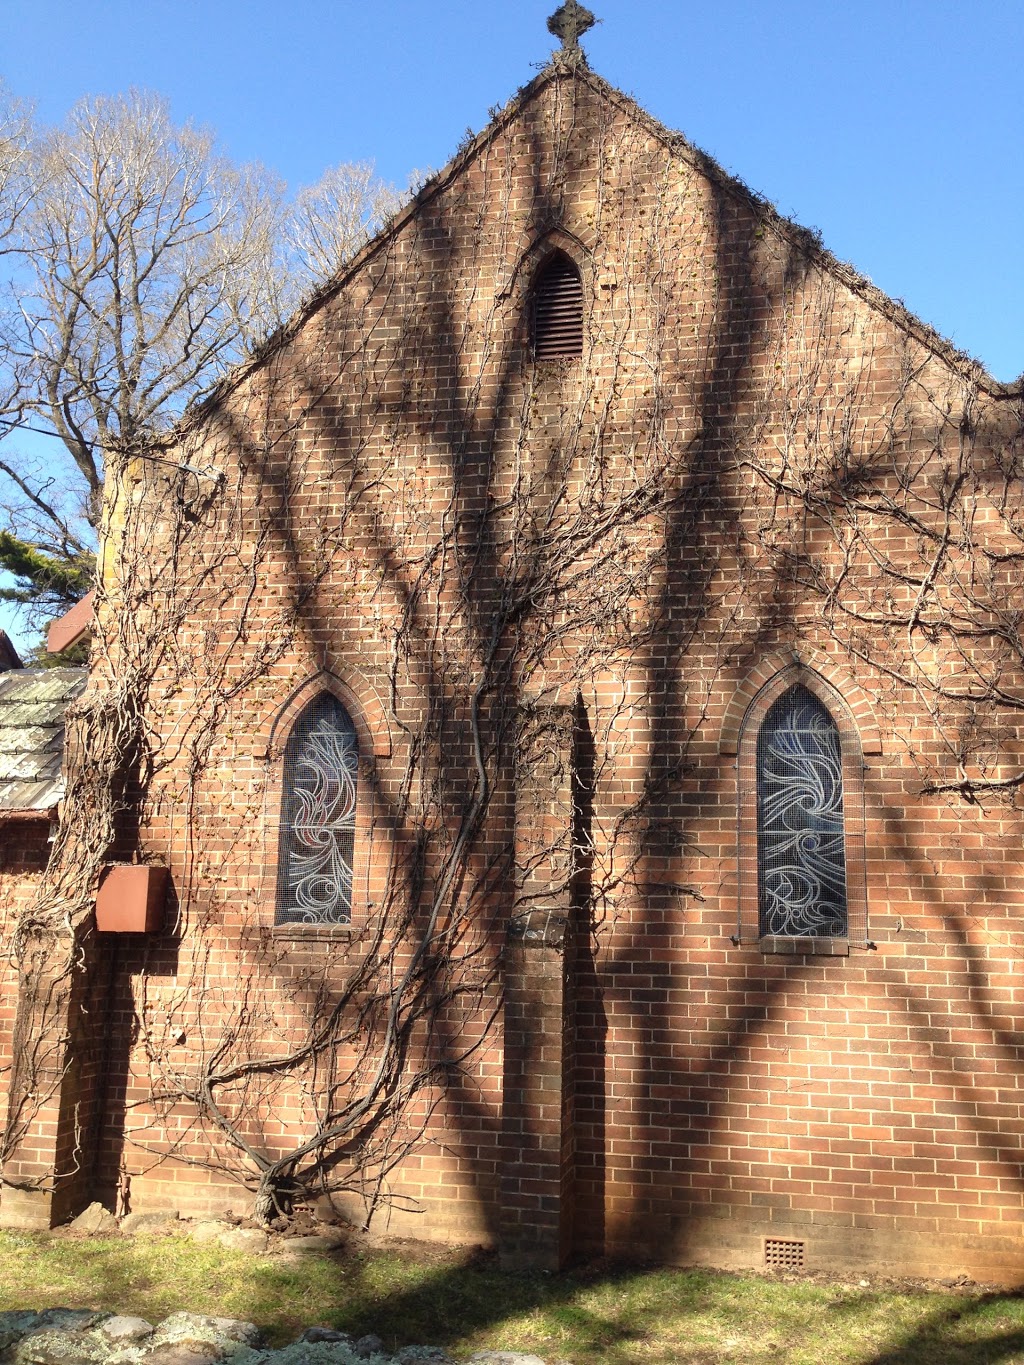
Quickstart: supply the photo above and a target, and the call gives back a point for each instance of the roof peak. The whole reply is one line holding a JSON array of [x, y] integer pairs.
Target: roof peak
[[564, 67]]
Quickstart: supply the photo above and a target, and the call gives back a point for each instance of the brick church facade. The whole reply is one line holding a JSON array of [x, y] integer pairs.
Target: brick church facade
[[577, 673]]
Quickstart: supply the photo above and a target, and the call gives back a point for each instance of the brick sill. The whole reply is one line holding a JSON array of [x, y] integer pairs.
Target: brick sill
[[313, 933], [813, 947]]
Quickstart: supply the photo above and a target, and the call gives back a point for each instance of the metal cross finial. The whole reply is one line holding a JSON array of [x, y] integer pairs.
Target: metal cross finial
[[569, 22]]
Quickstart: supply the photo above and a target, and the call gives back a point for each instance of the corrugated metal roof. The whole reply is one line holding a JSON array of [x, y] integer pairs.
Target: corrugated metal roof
[[32, 706]]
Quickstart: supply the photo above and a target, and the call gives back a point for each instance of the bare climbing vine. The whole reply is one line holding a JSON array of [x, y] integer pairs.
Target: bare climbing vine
[[754, 452]]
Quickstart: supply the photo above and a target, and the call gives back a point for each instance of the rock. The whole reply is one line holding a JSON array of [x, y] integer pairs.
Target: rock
[[70, 1319], [207, 1231], [59, 1346], [95, 1220], [70, 1336], [125, 1330], [368, 1346], [317, 1242], [197, 1329], [243, 1239], [146, 1224], [15, 1324], [184, 1353], [57, 1334], [503, 1358]]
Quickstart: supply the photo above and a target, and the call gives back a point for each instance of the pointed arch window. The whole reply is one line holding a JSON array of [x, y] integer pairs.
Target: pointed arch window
[[801, 832], [557, 310], [802, 883], [318, 816]]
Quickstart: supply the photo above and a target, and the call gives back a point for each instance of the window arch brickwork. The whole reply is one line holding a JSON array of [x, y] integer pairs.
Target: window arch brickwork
[[826, 667], [751, 927]]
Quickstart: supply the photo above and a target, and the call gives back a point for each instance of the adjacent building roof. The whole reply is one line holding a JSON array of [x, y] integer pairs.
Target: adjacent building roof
[[32, 706], [68, 629], [9, 656]]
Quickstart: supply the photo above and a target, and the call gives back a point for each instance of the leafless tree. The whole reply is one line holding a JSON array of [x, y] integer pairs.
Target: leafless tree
[[15, 182], [143, 265], [331, 220], [145, 268], [15, 192]]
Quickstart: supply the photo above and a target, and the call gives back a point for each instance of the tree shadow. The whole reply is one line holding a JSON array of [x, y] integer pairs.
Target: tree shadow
[[469, 576], [937, 1338]]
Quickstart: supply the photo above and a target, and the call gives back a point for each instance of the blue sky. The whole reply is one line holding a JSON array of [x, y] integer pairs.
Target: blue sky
[[894, 128]]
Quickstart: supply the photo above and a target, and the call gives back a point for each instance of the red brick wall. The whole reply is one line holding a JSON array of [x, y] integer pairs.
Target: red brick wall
[[24, 846], [757, 455]]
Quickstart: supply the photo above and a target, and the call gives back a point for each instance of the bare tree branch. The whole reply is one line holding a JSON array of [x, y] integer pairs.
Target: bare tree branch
[[143, 266], [146, 270], [332, 219]]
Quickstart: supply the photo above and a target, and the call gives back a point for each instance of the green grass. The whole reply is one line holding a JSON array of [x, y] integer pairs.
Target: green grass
[[624, 1316]]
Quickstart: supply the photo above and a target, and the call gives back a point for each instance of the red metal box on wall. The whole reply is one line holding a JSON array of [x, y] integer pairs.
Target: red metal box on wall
[[130, 899]]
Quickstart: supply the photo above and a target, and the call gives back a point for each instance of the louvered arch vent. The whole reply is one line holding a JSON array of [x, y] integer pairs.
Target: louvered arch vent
[[557, 310]]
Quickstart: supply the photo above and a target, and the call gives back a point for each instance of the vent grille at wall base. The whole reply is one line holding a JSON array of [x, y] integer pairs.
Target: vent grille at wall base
[[558, 318], [781, 1253]]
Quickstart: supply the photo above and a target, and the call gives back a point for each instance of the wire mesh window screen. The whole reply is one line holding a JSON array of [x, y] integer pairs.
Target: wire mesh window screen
[[558, 310], [318, 817], [801, 848]]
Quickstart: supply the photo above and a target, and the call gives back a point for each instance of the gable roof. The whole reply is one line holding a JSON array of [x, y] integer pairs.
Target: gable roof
[[575, 68], [9, 656], [33, 702], [68, 629]]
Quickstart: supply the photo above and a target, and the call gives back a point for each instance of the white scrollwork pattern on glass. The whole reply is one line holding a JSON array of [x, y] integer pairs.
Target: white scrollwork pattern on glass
[[319, 807], [801, 852]]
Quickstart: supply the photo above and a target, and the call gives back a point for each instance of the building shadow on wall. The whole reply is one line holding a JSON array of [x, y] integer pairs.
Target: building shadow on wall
[[128, 957], [591, 1023]]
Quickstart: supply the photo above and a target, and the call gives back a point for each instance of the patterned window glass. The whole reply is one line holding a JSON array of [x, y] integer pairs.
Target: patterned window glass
[[801, 853], [318, 817]]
